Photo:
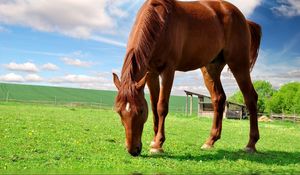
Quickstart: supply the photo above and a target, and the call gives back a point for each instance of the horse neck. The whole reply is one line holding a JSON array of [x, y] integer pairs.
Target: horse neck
[[138, 75], [132, 71]]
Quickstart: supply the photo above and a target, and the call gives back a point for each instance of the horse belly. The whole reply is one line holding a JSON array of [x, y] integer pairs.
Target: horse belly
[[197, 54]]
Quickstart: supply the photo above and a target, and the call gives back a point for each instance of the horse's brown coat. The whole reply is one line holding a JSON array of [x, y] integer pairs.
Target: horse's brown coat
[[171, 36]]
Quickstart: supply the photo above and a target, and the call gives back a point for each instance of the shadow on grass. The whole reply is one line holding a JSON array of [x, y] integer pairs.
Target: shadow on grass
[[265, 157]]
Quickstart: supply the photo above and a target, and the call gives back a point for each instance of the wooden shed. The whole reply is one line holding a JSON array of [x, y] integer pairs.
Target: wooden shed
[[205, 107]]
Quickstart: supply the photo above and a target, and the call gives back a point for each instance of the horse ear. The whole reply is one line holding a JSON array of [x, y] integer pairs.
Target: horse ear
[[160, 11], [117, 81], [141, 84], [162, 8]]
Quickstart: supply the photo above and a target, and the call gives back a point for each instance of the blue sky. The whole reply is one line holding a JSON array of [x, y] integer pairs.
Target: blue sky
[[80, 43]]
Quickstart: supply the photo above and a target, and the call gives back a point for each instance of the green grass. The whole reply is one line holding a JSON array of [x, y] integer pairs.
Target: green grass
[[61, 95], [45, 139]]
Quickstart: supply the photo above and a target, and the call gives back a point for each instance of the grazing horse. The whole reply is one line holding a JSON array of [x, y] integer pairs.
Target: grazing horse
[[171, 36]]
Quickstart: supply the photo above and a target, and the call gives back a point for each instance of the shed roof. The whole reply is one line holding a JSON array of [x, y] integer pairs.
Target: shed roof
[[201, 95]]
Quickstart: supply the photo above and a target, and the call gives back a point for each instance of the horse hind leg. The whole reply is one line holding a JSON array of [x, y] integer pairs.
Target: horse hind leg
[[241, 73], [211, 75]]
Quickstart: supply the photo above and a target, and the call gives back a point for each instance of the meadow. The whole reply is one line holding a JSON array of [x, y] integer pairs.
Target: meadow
[[55, 139], [67, 96]]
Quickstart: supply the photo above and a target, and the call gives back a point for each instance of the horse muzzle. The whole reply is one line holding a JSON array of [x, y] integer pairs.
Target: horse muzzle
[[135, 151]]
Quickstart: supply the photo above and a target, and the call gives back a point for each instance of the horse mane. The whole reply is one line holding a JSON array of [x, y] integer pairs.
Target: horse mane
[[151, 22], [150, 26], [127, 91]]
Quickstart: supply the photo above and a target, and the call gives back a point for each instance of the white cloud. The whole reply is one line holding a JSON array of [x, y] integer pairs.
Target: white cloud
[[50, 67], [287, 8], [98, 81], [108, 41], [12, 77], [277, 73], [115, 9], [77, 79], [247, 7], [25, 67], [33, 78], [294, 73], [76, 62], [74, 18], [72, 78]]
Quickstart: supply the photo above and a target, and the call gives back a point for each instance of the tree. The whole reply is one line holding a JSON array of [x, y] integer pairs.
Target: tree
[[264, 90], [297, 102], [286, 99]]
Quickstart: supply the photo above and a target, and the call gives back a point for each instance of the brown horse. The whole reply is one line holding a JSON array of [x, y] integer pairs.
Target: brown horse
[[171, 36]]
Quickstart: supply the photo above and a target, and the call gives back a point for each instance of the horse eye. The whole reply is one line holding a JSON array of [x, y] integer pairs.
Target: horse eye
[[141, 111], [121, 114]]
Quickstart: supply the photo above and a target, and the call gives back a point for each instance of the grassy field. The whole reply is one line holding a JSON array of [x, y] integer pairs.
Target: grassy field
[[45, 139], [61, 95]]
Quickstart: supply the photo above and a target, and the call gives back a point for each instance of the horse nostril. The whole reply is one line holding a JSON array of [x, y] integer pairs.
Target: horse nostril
[[136, 152], [139, 149]]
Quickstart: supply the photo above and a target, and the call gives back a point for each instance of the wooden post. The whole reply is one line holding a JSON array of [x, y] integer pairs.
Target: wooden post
[[100, 106], [225, 110], [241, 113], [294, 116], [271, 115], [7, 96], [199, 106], [186, 104], [201, 102], [191, 105]]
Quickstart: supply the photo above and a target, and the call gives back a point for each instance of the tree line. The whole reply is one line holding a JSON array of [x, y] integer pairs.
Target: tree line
[[285, 100]]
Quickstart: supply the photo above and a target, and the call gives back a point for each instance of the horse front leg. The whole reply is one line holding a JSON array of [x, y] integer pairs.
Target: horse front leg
[[153, 85], [162, 110], [211, 74]]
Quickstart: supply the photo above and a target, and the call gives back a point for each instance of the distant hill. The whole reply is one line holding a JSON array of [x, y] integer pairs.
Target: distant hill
[[60, 95]]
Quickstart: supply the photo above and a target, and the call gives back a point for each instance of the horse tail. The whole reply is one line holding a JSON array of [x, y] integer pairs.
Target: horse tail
[[256, 34]]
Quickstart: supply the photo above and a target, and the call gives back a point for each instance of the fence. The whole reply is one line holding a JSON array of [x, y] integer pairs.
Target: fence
[[61, 103], [80, 104], [282, 117]]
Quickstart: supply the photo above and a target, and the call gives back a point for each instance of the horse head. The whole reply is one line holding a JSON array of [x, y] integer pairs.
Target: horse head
[[133, 110]]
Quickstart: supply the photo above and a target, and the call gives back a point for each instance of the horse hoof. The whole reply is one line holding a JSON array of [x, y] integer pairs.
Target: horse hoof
[[207, 147], [250, 150], [156, 151], [152, 143]]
